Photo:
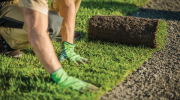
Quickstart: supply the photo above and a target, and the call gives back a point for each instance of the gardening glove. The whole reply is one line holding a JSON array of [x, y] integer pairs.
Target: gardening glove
[[61, 77], [68, 52]]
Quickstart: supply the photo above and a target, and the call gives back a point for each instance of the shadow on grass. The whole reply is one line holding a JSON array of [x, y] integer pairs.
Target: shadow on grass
[[128, 9], [28, 51], [157, 14]]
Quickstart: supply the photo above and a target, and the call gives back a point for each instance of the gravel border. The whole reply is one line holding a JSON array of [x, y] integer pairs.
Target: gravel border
[[158, 78]]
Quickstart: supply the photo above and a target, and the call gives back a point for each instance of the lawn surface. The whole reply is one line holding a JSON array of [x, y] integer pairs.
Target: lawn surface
[[25, 78]]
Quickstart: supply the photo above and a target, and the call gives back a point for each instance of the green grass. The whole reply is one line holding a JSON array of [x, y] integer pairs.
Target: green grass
[[26, 78]]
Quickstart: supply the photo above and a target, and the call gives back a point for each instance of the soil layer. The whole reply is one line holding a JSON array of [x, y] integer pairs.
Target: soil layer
[[129, 30], [159, 77]]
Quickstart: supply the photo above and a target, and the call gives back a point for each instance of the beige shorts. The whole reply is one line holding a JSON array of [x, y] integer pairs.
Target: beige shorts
[[38, 5], [14, 29]]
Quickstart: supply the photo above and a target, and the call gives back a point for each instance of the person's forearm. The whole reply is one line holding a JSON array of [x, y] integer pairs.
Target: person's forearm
[[67, 11], [37, 24]]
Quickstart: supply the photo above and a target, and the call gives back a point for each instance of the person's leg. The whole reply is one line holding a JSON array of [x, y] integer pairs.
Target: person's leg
[[67, 35], [55, 8], [12, 28], [77, 35]]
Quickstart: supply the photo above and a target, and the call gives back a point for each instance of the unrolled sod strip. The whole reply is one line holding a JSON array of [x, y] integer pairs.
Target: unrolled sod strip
[[129, 30]]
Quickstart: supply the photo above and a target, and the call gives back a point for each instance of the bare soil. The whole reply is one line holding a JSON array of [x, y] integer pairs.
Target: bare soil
[[159, 77], [129, 30]]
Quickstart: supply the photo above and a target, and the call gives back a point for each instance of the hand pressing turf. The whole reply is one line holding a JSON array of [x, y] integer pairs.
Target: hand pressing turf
[[61, 77], [68, 53]]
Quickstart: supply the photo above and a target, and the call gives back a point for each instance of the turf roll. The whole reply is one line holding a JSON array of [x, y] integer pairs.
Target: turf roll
[[124, 29]]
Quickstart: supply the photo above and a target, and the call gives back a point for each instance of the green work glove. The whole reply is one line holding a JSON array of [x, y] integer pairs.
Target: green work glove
[[61, 77], [68, 53]]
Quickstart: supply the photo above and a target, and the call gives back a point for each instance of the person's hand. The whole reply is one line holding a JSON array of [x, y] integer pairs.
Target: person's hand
[[61, 77], [68, 53]]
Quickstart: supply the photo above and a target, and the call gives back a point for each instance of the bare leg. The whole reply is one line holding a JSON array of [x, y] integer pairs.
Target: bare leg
[[63, 33], [67, 11]]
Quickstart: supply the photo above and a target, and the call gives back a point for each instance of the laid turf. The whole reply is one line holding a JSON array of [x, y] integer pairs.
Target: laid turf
[[25, 78]]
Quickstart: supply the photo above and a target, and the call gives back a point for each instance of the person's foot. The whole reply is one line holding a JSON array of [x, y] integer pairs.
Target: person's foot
[[77, 36], [15, 53]]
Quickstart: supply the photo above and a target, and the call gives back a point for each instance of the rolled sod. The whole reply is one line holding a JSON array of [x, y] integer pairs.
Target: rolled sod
[[128, 30]]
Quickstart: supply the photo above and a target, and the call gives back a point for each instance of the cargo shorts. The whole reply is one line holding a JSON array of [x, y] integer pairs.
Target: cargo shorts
[[14, 30]]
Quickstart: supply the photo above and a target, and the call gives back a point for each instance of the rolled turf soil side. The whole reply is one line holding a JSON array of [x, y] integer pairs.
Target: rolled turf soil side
[[158, 78], [129, 30]]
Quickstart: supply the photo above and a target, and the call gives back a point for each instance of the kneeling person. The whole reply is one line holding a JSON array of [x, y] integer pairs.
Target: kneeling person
[[25, 26]]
